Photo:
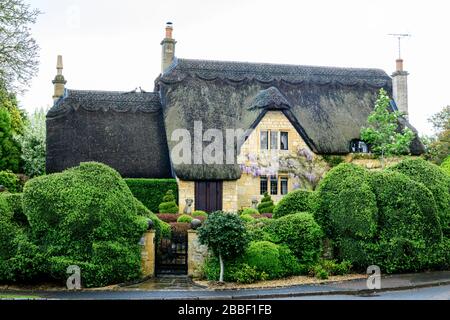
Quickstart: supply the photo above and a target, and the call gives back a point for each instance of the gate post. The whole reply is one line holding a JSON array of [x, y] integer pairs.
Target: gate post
[[148, 254], [196, 254]]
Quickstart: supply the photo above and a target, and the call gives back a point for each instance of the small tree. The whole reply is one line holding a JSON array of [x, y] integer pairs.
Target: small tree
[[266, 205], [33, 145], [438, 145], [9, 147], [383, 134], [225, 235], [169, 204]]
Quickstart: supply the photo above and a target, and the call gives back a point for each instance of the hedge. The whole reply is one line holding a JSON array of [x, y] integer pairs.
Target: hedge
[[14, 201], [301, 233], [293, 202], [435, 180], [151, 191], [83, 215], [328, 191], [10, 181], [445, 165]]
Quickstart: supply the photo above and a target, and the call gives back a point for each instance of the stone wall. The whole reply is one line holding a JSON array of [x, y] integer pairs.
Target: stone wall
[[148, 254], [186, 190], [197, 254]]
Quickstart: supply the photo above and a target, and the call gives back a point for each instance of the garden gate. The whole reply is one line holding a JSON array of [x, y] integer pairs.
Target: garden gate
[[172, 255]]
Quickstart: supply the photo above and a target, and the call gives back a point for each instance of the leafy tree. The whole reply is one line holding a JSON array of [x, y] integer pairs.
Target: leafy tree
[[9, 147], [383, 134], [9, 101], [34, 146], [18, 49], [225, 235], [438, 145]]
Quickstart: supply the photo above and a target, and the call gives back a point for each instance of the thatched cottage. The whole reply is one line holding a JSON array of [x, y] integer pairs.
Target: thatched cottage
[[228, 131]]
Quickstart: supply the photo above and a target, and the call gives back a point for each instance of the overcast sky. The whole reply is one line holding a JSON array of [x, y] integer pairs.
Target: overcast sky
[[115, 44]]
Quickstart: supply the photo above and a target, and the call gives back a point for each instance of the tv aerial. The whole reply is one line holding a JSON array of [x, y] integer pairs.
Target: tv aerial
[[399, 36]]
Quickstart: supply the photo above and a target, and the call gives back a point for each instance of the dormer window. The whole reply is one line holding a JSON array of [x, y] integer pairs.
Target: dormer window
[[358, 146]]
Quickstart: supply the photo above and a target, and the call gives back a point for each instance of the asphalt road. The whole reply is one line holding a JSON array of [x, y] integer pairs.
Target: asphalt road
[[432, 293]]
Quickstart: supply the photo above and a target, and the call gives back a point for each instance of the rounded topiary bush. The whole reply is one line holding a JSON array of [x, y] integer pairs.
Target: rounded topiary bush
[[435, 180], [250, 211], [199, 213], [81, 216], [247, 218], [336, 180], [185, 219], [14, 201], [169, 204], [408, 223], [293, 202], [266, 205], [301, 233]]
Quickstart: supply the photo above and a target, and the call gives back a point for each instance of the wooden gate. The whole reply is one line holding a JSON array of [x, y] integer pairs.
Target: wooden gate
[[208, 195]]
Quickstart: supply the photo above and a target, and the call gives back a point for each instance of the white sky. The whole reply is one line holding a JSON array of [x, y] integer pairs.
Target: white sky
[[115, 44]]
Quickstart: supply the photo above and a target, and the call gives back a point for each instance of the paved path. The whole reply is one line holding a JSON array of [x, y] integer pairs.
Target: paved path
[[182, 288]]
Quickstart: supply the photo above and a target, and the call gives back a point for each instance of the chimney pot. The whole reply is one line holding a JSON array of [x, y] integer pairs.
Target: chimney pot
[[169, 30], [399, 63]]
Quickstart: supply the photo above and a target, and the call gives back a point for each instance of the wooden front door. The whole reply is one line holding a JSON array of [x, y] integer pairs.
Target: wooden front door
[[208, 195]]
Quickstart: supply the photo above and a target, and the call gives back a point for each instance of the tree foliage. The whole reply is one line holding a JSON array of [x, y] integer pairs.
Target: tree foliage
[[383, 131], [9, 147], [34, 145], [438, 145], [18, 50]]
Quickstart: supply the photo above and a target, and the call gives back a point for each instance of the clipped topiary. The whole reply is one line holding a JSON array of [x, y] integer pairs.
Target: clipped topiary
[[266, 205], [247, 218], [293, 202], [301, 233], [199, 213], [86, 216], [328, 191], [408, 222], [435, 180], [250, 211], [185, 219], [168, 205], [14, 201]]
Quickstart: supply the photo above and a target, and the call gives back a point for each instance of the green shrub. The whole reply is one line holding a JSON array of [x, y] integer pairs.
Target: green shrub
[[151, 191], [185, 219], [408, 222], [168, 205], [300, 233], [435, 180], [333, 161], [328, 191], [10, 181], [319, 272], [256, 230], [14, 201], [250, 211], [333, 268], [199, 213], [161, 228], [445, 165], [293, 202], [266, 205], [237, 271], [85, 213], [265, 257], [247, 218]]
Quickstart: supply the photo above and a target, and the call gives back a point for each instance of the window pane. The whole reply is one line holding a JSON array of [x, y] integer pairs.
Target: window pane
[[273, 185], [284, 186], [284, 142], [263, 185], [273, 140], [264, 140]]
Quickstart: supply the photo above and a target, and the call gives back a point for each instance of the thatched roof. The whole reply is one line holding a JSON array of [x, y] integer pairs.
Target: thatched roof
[[123, 130], [328, 106]]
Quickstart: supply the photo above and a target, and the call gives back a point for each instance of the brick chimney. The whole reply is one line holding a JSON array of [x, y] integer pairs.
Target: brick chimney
[[400, 87], [168, 48], [59, 81]]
